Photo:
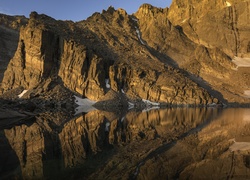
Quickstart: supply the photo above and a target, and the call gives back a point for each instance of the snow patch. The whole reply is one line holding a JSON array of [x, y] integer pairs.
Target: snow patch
[[84, 105], [228, 4], [241, 62], [21, 95], [84, 102], [122, 119], [211, 105], [107, 125], [107, 83], [139, 35], [150, 103], [122, 91], [240, 146], [134, 19], [247, 93]]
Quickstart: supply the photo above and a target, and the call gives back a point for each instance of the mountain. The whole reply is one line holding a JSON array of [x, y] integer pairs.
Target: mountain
[[218, 25], [9, 35], [213, 23], [176, 56]]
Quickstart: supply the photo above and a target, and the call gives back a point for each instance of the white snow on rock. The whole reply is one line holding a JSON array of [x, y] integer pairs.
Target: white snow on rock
[[240, 146], [122, 119], [228, 4], [84, 105], [122, 91], [107, 126], [21, 95], [241, 62], [107, 83], [134, 19], [247, 93], [139, 35], [150, 103], [85, 101], [212, 105]]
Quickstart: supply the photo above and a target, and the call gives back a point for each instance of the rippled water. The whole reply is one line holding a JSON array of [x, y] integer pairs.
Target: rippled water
[[195, 143]]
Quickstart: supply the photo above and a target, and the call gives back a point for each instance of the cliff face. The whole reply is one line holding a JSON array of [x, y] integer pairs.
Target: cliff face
[[220, 24], [44, 51], [193, 49], [9, 27], [87, 54], [148, 55]]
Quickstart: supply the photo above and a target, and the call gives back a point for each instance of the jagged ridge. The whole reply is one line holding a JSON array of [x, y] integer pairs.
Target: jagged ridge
[[144, 55]]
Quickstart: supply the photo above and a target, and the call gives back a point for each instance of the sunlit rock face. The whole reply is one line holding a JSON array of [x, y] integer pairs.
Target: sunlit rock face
[[150, 55], [199, 55], [171, 86], [84, 54], [34, 58], [195, 9], [209, 21], [43, 52], [82, 71]]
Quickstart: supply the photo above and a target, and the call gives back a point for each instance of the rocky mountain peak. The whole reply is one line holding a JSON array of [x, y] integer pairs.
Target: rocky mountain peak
[[149, 10], [148, 55], [182, 10], [204, 22], [12, 22], [110, 10]]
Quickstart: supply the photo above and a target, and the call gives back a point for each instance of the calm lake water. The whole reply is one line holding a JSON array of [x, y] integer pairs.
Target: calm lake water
[[194, 143]]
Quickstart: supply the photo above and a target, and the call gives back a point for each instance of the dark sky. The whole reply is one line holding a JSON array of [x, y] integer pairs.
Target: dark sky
[[72, 9]]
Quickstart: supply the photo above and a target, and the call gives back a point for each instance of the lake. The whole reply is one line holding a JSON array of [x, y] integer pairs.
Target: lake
[[173, 143]]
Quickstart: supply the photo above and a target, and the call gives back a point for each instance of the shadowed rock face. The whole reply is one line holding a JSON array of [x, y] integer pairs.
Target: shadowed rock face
[[9, 35]]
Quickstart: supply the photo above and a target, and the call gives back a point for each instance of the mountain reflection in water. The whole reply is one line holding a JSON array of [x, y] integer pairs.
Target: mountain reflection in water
[[195, 143]]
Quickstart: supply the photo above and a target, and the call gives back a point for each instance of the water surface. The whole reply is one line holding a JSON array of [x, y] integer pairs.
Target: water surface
[[195, 143]]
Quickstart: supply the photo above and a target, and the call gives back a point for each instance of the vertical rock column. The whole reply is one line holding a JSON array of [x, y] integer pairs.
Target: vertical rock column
[[36, 56]]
